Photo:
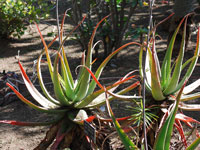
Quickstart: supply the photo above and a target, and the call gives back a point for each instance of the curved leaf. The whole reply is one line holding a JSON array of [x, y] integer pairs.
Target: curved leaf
[[155, 78], [21, 123], [97, 103], [39, 74], [189, 107], [190, 96], [166, 66], [57, 87], [69, 74], [38, 108], [162, 141], [95, 97], [193, 63], [69, 88], [129, 145], [103, 64], [191, 87], [34, 92], [47, 53], [177, 70], [83, 84], [194, 144], [147, 70], [123, 97]]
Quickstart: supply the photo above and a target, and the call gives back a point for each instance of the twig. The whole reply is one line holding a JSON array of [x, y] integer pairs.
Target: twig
[[57, 19], [144, 73]]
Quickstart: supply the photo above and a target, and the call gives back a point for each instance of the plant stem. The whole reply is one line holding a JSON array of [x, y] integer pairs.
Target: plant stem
[[57, 19], [144, 73]]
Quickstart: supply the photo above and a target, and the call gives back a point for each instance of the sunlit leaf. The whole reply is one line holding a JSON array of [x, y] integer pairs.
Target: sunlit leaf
[[83, 84], [129, 145], [177, 70], [162, 141], [155, 78], [57, 87], [41, 109], [34, 92], [194, 144], [166, 65], [191, 87], [103, 64]]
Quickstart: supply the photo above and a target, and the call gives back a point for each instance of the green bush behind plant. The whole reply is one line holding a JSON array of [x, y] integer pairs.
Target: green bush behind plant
[[15, 13], [115, 28]]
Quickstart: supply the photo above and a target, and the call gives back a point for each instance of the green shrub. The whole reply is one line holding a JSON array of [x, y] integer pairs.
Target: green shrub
[[113, 31], [15, 13]]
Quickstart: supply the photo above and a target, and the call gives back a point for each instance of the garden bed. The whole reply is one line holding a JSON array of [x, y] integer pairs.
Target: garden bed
[[14, 137]]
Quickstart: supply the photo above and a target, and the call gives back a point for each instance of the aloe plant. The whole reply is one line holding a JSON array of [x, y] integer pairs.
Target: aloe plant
[[73, 98], [166, 86], [166, 80]]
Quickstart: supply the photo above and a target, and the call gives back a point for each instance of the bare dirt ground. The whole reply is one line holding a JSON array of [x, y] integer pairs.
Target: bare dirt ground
[[26, 138]]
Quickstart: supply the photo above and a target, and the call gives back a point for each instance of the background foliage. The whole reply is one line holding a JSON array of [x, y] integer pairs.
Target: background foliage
[[15, 13], [113, 31]]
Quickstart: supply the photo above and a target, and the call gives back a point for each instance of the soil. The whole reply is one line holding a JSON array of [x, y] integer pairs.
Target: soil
[[26, 138]]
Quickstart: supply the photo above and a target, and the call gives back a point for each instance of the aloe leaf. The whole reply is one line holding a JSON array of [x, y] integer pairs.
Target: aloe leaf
[[95, 96], [191, 87], [147, 71], [148, 68], [83, 84], [69, 89], [166, 65], [90, 44], [162, 141], [185, 118], [62, 24], [189, 61], [155, 55], [34, 92], [69, 74], [21, 123], [101, 119], [81, 68], [156, 88], [190, 96], [194, 144], [57, 88], [123, 97], [129, 145], [140, 60], [179, 127], [162, 21], [39, 74], [104, 63], [99, 101], [38, 108], [177, 70], [193, 63], [47, 53], [189, 107], [92, 97]]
